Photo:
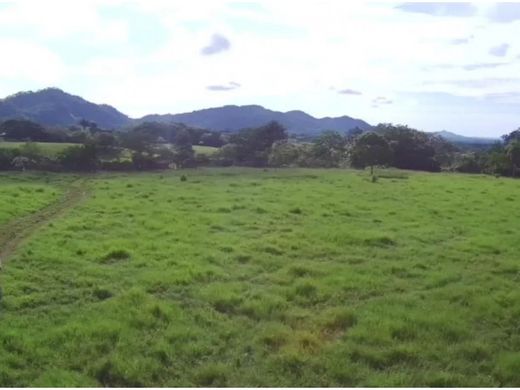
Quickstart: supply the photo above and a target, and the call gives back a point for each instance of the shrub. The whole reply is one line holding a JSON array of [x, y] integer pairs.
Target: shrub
[[6, 157], [339, 319], [78, 158], [126, 165], [382, 241], [116, 255], [508, 368], [102, 294], [212, 375]]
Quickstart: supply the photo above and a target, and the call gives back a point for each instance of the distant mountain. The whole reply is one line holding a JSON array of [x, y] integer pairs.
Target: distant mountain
[[460, 139], [53, 107], [233, 118]]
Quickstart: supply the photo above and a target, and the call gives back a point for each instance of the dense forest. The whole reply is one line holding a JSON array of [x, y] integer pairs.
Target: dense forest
[[156, 145]]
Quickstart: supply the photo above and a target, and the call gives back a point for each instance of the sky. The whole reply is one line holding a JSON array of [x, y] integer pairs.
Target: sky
[[432, 66]]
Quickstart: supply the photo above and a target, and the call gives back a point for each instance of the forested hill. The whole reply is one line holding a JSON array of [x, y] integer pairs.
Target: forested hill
[[234, 118], [54, 107]]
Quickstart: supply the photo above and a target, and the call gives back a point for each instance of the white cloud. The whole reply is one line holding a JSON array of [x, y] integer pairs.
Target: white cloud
[[54, 19], [285, 55], [25, 61]]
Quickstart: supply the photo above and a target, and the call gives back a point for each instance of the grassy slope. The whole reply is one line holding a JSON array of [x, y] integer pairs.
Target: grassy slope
[[49, 149], [278, 278], [207, 150]]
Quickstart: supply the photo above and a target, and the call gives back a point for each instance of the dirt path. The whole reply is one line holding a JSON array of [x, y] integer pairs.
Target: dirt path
[[15, 232]]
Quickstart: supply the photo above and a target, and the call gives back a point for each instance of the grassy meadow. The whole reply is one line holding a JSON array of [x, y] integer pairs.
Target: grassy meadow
[[205, 150], [250, 277], [22, 194], [52, 149]]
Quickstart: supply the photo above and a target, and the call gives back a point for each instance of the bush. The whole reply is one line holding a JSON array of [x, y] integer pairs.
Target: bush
[[284, 154], [6, 158], [102, 294], [212, 375], [116, 255], [469, 164], [79, 158], [508, 368], [126, 165]]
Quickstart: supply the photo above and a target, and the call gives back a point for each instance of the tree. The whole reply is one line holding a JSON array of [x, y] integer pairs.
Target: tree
[[156, 130], [142, 161], [252, 146], [211, 139], [137, 140], [329, 149], [105, 140], [444, 150], [84, 124], [21, 162], [184, 154], [355, 132], [513, 153], [79, 158], [105, 143], [411, 149], [497, 162], [512, 136], [470, 163], [267, 135], [31, 151], [370, 149], [284, 154], [23, 130], [88, 125], [227, 155], [6, 158]]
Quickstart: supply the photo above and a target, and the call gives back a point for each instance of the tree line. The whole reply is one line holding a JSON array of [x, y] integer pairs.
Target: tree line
[[153, 145], [502, 159]]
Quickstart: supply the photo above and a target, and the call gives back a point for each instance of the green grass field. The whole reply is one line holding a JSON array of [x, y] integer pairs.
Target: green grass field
[[246, 277], [49, 149], [206, 150], [22, 194]]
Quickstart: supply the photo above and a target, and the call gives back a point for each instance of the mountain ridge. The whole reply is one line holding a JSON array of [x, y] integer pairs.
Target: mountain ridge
[[55, 107], [462, 139], [233, 118]]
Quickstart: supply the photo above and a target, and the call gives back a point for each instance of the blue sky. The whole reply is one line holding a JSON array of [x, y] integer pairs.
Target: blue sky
[[433, 66]]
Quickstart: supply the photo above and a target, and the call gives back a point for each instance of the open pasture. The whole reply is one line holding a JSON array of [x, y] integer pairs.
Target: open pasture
[[48, 149], [250, 277]]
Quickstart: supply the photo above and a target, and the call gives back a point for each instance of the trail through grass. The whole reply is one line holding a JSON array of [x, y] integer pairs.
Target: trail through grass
[[17, 230]]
